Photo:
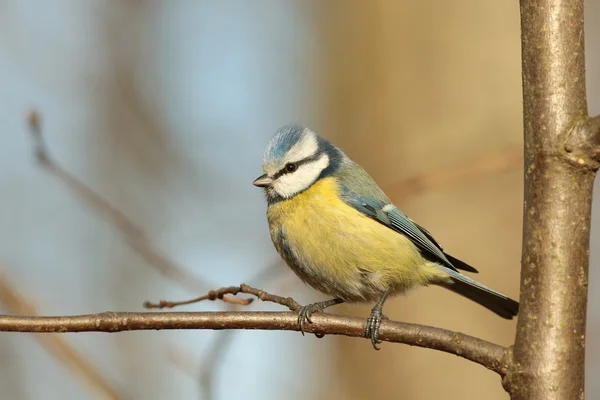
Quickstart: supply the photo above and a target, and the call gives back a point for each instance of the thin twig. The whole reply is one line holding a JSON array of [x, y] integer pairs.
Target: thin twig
[[57, 345], [209, 367], [219, 294]]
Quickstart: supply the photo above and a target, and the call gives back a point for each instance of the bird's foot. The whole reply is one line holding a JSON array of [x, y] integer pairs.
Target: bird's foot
[[373, 324], [306, 312]]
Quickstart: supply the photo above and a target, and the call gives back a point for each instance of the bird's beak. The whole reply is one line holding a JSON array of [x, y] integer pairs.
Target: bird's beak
[[262, 181]]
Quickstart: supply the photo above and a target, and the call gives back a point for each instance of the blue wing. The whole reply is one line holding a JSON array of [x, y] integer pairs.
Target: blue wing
[[455, 261], [388, 215]]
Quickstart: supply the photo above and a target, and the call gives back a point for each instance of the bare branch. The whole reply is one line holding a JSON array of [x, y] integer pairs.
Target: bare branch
[[219, 294], [477, 350]]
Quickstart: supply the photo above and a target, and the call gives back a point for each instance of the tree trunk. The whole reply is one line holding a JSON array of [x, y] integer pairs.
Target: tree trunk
[[561, 146]]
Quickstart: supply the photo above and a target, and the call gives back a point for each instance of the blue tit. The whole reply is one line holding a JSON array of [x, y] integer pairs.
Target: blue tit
[[338, 231]]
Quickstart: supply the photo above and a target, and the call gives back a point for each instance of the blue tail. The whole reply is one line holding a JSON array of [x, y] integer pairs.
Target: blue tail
[[482, 295]]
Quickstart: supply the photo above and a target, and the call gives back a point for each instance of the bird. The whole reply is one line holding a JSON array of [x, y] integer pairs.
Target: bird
[[340, 234]]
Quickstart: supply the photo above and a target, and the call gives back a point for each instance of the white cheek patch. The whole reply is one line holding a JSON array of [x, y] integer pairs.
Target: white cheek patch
[[305, 148], [289, 184]]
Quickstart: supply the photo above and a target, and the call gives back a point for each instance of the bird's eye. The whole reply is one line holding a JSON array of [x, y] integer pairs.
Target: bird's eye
[[291, 167]]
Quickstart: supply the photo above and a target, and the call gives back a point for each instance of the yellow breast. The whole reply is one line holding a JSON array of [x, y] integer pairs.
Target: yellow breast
[[341, 252]]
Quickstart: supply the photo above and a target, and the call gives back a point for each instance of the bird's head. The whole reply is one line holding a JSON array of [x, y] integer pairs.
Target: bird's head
[[294, 160]]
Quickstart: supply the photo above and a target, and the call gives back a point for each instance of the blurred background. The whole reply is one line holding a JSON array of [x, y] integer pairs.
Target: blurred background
[[156, 115]]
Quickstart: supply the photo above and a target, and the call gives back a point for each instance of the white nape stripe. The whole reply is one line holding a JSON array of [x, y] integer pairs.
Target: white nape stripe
[[388, 208], [290, 184], [305, 148]]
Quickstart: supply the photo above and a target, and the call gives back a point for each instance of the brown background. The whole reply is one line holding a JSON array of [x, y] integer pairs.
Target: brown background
[[164, 109]]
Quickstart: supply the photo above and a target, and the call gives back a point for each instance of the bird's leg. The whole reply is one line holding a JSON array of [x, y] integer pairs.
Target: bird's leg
[[374, 320], [306, 311]]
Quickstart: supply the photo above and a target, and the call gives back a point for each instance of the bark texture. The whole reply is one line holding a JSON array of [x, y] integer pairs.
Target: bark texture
[[561, 152], [488, 354]]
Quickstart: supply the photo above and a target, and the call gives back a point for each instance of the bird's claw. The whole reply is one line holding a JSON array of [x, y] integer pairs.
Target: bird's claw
[[304, 315], [373, 324]]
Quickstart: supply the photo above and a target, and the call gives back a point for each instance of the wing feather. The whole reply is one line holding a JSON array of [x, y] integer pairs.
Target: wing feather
[[360, 192], [399, 222]]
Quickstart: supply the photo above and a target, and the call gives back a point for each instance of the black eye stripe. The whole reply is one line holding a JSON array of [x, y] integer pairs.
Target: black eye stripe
[[298, 164]]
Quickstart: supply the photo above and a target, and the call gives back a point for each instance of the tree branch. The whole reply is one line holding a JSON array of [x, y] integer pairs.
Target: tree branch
[[477, 350], [490, 355]]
